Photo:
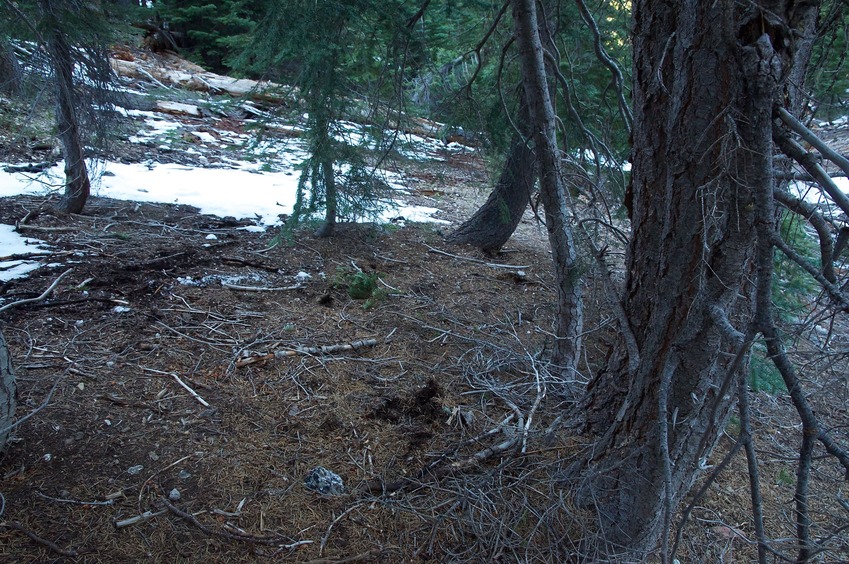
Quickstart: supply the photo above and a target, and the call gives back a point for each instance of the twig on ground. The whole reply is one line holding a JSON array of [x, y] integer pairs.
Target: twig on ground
[[260, 288], [326, 536], [39, 298], [478, 261], [15, 526], [369, 556], [137, 519], [34, 411], [75, 501], [241, 537], [307, 351], [193, 393]]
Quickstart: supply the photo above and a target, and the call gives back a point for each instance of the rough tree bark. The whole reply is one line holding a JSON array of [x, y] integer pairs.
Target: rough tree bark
[[10, 71], [7, 392], [706, 76], [569, 316], [496, 220], [77, 183]]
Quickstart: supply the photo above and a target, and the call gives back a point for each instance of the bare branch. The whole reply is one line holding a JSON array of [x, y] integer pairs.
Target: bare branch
[[818, 222], [833, 291], [809, 136], [795, 151], [608, 61], [43, 296]]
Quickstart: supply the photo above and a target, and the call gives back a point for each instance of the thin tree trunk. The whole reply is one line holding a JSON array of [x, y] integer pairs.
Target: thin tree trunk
[[702, 144], [7, 392], [569, 317], [330, 195], [77, 184], [496, 220]]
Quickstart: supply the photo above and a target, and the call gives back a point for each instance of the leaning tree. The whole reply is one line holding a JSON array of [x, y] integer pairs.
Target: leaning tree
[[73, 34]]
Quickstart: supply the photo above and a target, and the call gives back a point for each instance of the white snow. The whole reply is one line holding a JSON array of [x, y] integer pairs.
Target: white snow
[[262, 190], [12, 243]]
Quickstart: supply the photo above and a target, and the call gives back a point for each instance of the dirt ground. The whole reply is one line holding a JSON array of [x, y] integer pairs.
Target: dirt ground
[[140, 344], [154, 439]]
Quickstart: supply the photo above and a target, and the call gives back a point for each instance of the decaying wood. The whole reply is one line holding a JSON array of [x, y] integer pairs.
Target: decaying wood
[[327, 349]]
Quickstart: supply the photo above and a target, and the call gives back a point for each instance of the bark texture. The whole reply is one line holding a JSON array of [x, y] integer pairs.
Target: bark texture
[[569, 317], [706, 76], [11, 78], [7, 392]]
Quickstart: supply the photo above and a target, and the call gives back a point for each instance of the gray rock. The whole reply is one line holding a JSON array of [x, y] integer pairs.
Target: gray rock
[[323, 481]]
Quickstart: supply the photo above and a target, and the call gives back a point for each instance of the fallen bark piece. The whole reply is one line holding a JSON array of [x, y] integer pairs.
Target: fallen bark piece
[[327, 349]]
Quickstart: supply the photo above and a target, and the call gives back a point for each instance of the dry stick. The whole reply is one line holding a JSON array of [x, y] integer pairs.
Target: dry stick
[[326, 536], [809, 136], [752, 461], [158, 472], [241, 537], [147, 515], [194, 394], [34, 411], [811, 213], [260, 288], [14, 525], [477, 261], [796, 152], [369, 555], [306, 351], [39, 298]]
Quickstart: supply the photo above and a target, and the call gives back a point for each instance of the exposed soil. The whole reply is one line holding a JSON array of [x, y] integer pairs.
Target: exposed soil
[[153, 412]]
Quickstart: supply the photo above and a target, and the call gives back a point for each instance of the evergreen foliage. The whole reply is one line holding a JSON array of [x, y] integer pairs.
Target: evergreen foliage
[[336, 54]]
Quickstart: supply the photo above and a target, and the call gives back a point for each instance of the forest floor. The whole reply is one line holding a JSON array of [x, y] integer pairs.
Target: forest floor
[[159, 442]]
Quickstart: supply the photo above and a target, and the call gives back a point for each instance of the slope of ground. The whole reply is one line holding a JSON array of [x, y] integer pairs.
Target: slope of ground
[[153, 438]]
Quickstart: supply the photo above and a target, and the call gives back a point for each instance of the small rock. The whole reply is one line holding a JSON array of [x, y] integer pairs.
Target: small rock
[[302, 277], [323, 481], [133, 470], [184, 474], [211, 237], [174, 495]]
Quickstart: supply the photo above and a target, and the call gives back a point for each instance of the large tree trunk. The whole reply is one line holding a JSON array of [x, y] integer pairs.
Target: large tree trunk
[[77, 184], [7, 392], [706, 77], [569, 317], [11, 78], [496, 220]]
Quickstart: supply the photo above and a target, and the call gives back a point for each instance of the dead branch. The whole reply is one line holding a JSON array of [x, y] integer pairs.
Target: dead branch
[[241, 537], [798, 127], [193, 393], [44, 404], [477, 261], [43, 296], [15, 526], [796, 152], [147, 515], [259, 288], [306, 351], [818, 222], [369, 556]]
